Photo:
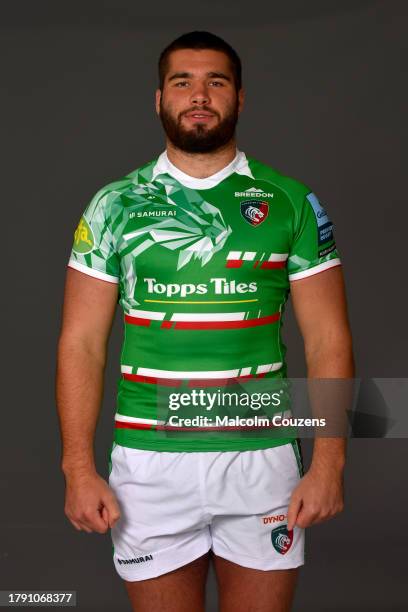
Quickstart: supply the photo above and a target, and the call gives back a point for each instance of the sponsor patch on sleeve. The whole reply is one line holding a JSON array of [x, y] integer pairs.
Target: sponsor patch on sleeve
[[324, 225], [327, 250], [83, 237]]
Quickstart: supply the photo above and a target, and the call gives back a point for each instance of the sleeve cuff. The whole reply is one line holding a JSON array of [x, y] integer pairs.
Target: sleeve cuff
[[92, 272], [319, 268]]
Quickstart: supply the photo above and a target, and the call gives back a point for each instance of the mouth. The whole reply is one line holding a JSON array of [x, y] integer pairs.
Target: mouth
[[199, 116]]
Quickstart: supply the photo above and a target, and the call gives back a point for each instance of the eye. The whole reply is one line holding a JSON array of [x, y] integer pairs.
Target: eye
[[216, 83], [181, 83]]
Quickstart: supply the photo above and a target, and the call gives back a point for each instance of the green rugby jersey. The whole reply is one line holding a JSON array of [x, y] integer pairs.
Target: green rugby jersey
[[203, 268]]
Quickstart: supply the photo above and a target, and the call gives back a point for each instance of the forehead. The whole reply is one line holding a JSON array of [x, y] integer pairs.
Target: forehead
[[198, 62]]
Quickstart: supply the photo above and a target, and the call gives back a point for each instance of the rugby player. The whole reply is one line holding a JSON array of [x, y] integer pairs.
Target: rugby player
[[201, 246]]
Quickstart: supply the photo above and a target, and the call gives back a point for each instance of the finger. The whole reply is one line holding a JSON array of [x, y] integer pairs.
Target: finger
[[84, 527], [112, 510], [306, 518], [94, 522], [73, 522], [293, 511], [76, 525], [105, 516]]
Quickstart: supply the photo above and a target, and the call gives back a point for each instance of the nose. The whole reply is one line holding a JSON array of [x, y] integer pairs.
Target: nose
[[199, 94]]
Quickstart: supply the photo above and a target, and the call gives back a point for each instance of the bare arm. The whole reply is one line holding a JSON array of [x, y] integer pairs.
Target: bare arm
[[320, 308], [88, 312]]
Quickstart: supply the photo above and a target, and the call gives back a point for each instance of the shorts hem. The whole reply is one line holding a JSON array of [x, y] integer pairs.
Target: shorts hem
[[264, 565], [166, 568]]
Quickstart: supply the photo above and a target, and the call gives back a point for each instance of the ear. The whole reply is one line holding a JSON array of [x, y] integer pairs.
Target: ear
[[241, 98], [158, 100]]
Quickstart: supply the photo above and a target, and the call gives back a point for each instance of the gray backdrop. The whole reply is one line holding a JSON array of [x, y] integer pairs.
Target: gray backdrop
[[326, 103]]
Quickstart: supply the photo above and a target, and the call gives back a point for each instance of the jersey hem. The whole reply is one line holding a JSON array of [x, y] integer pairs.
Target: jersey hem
[[193, 446]]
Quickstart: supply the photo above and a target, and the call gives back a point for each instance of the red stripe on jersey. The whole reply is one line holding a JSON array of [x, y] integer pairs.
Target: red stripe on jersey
[[215, 382], [233, 263], [191, 382], [227, 324], [125, 425], [166, 324], [273, 264], [137, 320], [168, 382]]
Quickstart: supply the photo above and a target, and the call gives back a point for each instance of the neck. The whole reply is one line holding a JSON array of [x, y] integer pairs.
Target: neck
[[201, 165]]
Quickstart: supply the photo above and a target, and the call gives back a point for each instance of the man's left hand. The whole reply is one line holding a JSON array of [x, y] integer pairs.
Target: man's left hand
[[318, 497]]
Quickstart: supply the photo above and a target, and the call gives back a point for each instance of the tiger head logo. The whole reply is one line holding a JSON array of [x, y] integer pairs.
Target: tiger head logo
[[282, 539], [254, 212]]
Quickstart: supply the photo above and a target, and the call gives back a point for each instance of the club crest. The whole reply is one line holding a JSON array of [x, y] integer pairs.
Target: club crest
[[282, 539], [254, 211]]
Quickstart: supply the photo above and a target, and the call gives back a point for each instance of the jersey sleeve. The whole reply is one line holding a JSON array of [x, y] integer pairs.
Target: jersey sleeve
[[313, 248], [93, 250]]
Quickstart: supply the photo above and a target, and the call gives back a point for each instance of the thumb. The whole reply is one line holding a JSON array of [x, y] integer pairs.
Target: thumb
[[111, 511], [293, 511], [105, 516]]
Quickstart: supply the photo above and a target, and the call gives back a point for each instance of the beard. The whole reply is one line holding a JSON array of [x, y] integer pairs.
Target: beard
[[199, 139]]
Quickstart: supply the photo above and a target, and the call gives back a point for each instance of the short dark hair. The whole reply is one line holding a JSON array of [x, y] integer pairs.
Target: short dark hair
[[201, 40]]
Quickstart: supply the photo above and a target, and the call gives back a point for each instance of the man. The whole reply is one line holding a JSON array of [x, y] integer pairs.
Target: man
[[201, 246]]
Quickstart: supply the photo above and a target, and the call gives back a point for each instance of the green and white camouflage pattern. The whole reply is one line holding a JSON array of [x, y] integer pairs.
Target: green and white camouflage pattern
[[203, 268]]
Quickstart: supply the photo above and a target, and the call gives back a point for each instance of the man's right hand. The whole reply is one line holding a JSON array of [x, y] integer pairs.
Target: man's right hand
[[90, 503]]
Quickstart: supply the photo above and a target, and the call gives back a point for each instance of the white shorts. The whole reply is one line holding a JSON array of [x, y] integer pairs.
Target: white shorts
[[175, 506]]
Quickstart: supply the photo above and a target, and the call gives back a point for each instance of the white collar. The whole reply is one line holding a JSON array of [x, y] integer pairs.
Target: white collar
[[164, 166]]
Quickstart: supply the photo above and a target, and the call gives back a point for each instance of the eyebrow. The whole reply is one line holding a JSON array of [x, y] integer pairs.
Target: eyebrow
[[189, 75]]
